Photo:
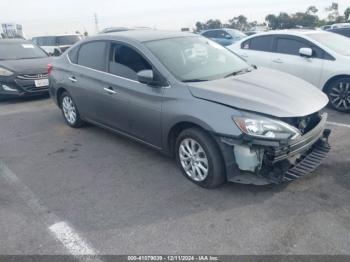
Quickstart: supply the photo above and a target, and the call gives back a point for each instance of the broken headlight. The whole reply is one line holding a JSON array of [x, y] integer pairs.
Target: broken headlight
[[266, 128]]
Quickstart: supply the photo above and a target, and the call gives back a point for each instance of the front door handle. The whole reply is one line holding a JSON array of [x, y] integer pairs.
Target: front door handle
[[73, 79], [109, 90]]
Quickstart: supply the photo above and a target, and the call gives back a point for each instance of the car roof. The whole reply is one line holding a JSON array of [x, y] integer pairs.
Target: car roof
[[13, 41], [142, 35], [56, 35]]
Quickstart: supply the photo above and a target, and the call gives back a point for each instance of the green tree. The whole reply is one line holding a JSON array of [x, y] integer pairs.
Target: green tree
[[311, 10], [333, 12], [347, 14]]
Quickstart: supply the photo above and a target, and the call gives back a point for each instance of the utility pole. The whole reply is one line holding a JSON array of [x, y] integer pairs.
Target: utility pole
[[96, 23]]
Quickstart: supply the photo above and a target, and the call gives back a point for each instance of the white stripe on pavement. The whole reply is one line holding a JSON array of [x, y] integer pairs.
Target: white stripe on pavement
[[338, 124], [71, 240], [62, 232]]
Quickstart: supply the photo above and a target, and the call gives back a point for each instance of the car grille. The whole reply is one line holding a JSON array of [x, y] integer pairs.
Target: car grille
[[309, 163], [33, 76]]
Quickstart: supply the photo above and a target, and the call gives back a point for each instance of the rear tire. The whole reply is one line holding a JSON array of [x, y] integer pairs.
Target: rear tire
[[338, 92], [70, 111], [199, 158]]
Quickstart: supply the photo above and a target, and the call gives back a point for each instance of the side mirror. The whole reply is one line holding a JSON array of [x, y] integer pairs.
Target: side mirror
[[228, 36], [305, 52], [145, 77]]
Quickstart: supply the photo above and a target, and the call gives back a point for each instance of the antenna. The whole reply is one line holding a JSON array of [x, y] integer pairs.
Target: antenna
[[96, 23]]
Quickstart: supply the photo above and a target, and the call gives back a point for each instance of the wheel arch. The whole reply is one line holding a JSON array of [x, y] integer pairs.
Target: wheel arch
[[326, 85], [177, 128], [59, 93]]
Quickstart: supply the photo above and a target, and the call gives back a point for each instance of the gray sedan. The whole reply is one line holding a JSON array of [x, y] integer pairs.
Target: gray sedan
[[191, 98]]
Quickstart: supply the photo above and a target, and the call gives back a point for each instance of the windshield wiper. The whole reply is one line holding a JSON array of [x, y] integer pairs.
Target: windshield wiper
[[194, 80], [242, 71]]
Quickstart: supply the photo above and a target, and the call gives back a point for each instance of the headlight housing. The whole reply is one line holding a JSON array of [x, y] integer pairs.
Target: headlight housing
[[266, 128], [5, 72]]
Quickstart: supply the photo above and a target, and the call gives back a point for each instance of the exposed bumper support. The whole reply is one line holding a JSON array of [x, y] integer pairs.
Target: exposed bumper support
[[283, 160]]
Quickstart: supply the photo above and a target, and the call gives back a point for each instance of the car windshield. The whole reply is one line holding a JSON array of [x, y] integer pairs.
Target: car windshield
[[68, 39], [337, 43], [196, 58], [23, 50]]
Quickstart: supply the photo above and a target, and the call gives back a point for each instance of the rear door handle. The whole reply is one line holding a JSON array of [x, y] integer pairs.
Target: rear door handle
[[244, 55], [73, 79], [109, 90], [278, 61]]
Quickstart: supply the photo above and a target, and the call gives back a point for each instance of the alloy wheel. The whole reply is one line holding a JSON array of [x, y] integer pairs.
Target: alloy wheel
[[339, 96], [193, 159], [69, 110]]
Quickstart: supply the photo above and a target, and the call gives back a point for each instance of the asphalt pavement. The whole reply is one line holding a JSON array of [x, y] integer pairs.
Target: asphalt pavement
[[87, 191]]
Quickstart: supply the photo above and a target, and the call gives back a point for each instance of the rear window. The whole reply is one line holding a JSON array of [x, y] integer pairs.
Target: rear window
[[93, 55]]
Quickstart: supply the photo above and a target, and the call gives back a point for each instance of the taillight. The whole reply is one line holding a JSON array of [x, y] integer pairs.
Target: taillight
[[49, 68]]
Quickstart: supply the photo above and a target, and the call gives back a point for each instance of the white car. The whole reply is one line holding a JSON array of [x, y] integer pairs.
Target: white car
[[56, 45], [319, 57]]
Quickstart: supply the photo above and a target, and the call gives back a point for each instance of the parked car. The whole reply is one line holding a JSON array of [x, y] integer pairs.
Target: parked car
[[221, 118], [56, 45], [335, 26], [319, 57], [109, 30], [23, 69], [341, 31], [224, 36]]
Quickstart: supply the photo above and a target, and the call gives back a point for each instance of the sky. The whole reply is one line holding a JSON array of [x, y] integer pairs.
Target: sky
[[43, 17]]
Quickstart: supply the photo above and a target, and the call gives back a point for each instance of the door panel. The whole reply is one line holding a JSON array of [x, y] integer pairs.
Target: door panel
[[287, 59], [128, 105], [133, 108]]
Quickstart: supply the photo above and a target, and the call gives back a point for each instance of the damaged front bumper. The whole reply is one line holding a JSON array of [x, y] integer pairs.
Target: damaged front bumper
[[261, 161]]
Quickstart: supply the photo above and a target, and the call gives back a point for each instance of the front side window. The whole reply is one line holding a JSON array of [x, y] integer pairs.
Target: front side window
[[20, 50], [289, 46], [126, 62], [196, 58], [93, 55]]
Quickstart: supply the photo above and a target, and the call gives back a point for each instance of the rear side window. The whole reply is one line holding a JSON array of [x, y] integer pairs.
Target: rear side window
[[93, 55], [73, 55], [261, 43], [289, 46]]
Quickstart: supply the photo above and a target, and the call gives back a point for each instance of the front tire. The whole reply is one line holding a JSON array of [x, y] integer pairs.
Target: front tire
[[199, 158], [338, 92], [69, 110]]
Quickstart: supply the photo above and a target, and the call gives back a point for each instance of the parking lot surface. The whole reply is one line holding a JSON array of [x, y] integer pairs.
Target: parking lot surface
[[119, 197]]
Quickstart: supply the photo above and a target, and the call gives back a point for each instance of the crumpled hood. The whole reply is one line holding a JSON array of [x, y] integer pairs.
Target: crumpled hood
[[27, 66], [263, 91]]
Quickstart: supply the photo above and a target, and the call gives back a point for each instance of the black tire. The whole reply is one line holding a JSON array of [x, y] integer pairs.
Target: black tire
[[338, 92], [216, 172], [78, 122]]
